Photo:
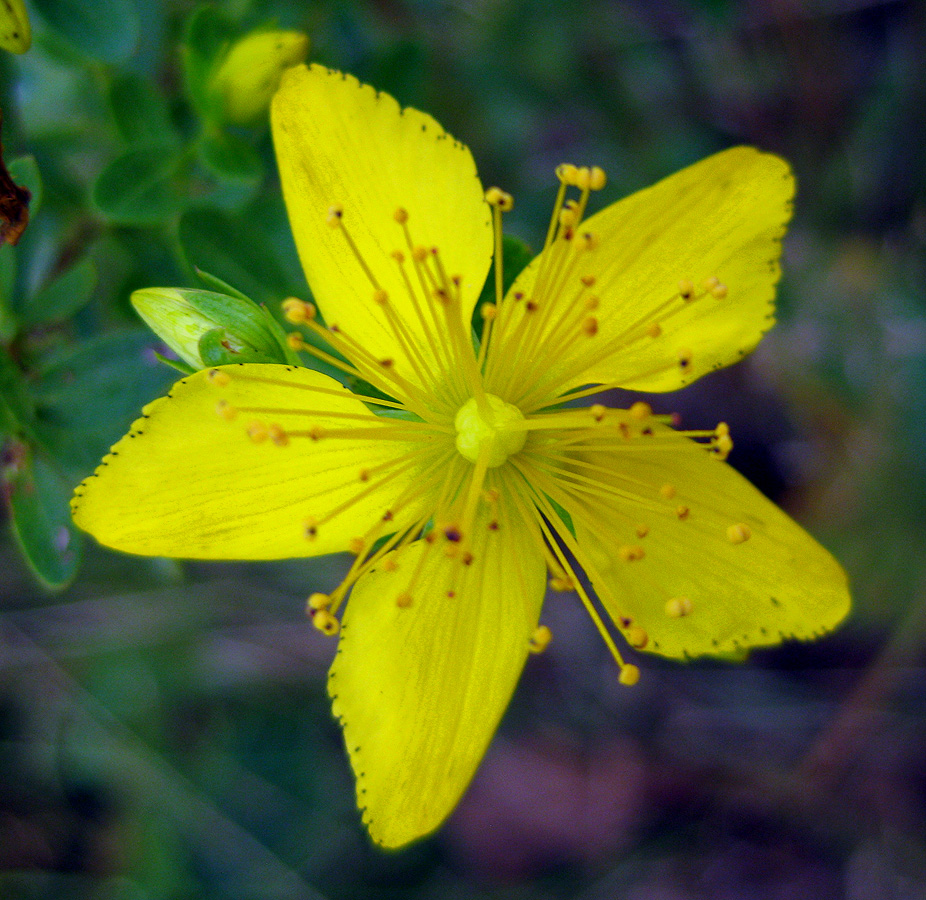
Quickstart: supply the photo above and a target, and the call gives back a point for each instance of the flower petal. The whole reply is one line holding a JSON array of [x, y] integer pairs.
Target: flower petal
[[744, 574], [420, 690], [722, 218], [340, 142], [188, 481]]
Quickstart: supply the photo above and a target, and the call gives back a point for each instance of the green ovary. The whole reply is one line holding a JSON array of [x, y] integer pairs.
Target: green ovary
[[493, 430]]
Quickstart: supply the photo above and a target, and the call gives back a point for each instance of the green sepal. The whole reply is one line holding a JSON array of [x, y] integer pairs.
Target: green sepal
[[177, 364], [214, 350]]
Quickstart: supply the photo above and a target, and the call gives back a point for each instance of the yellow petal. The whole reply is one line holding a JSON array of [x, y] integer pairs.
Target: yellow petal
[[341, 143], [188, 481], [722, 218], [420, 688], [722, 568]]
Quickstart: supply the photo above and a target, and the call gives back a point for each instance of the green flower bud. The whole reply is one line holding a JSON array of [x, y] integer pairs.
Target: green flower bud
[[15, 33], [250, 74], [208, 329]]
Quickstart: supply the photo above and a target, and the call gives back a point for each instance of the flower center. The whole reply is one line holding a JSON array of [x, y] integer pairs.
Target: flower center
[[491, 428]]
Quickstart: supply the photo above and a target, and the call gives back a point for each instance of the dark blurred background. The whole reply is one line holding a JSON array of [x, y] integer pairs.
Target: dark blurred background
[[164, 729]]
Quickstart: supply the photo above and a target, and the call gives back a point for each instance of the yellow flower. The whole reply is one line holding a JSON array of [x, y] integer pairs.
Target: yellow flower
[[460, 494]]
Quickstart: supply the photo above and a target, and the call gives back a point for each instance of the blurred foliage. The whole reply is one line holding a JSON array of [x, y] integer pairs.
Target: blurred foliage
[[163, 729]]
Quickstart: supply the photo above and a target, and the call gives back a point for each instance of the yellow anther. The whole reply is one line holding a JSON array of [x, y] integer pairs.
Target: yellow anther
[[567, 217], [684, 357], [335, 214], [686, 288], [293, 310], [566, 172], [722, 429], [380, 297], [562, 584], [597, 178], [718, 291], [654, 329], [667, 491], [295, 341], [637, 637], [540, 639], [356, 546], [325, 622], [641, 410], [590, 240], [711, 283], [587, 280], [491, 495], [631, 553], [598, 411], [494, 196], [316, 432], [398, 256], [278, 435], [257, 432], [723, 445], [642, 530], [739, 533], [678, 607], [420, 254], [489, 311], [467, 558], [630, 675], [400, 215], [583, 178], [310, 528], [318, 601], [404, 600], [592, 303], [219, 379], [364, 474], [387, 363], [389, 564], [590, 326], [226, 410], [682, 511]]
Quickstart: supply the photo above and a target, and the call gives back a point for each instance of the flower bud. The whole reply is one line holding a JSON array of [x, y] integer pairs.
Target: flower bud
[[250, 74], [15, 33], [208, 329]]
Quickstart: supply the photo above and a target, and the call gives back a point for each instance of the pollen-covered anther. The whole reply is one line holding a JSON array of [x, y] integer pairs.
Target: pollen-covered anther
[[295, 341], [598, 412], [684, 357], [629, 675], [566, 173], [654, 329], [590, 326], [278, 435], [583, 178], [641, 411], [597, 178], [591, 304], [224, 409], [293, 310], [325, 622], [335, 215], [356, 546], [678, 607], [489, 311], [380, 297], [686, 289], [631, 552], [531, 306], [642, 530], [722, 446], [682, 511], [467, 558], [398, 256], [389, 564], [453, 533], [420, 254], [567, 217], [718, 291], [316, 432], [497, 197], [364, 475], [540, 639], [667, 491], [310, 529], [587, 280], [637, 637], [404, 600], [257, 432], [400, 215], [387, 363], [590, 240], [739, 533], [317, 601], [219, 379]]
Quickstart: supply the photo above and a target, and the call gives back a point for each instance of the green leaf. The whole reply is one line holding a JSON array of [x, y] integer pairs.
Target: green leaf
[[140, 110], [40, 513], [16, 406], [136, 188], [107, 30], [231, 158], [9, 324], [63, 297], [25, 172]]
